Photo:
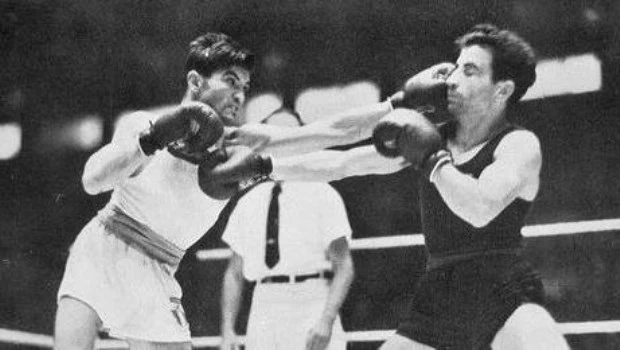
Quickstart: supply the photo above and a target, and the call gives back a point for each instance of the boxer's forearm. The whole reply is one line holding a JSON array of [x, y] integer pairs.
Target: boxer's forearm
[[325, 166], [463, 196], [347, 127], [477, 201]]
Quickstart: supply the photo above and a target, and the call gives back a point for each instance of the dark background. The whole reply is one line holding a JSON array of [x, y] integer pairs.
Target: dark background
[[61, 60]]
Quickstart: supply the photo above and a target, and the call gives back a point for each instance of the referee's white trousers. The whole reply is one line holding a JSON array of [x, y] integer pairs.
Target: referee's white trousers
[[282, 314]]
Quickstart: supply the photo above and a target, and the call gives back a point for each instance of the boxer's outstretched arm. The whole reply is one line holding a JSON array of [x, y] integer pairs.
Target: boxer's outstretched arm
[[344, 128], [513, 174], [119, 159], [328, 165]]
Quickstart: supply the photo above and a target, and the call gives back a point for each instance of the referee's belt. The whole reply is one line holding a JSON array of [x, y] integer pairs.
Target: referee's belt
[[297, 278]]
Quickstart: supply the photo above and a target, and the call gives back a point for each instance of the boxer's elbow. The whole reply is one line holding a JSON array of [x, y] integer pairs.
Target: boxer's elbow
[[472, 217], [481, 214], [479, 222], [91, 184], [89, 187], [489, 202], [95, 181]]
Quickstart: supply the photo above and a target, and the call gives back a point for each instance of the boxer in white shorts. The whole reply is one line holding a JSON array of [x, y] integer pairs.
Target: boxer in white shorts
[[120, 272]]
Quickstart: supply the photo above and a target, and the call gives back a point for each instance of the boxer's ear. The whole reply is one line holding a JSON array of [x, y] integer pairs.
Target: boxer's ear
[[194, 81], [505, 89]]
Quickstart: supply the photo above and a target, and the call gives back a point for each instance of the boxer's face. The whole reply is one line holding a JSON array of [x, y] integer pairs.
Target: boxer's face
[[225, 91], [471, 89]]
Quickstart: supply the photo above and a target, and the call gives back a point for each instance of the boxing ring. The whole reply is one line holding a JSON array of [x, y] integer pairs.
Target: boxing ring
[[21, 338]]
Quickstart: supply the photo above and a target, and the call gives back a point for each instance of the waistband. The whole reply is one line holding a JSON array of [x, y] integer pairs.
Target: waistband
[[297, 278], [140, 236], [438, 260]]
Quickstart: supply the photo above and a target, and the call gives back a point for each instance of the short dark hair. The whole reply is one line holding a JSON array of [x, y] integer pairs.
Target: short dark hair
[[213, 51], [513, 57]]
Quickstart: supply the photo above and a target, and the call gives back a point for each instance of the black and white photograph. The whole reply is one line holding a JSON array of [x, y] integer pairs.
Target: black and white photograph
[[310, 175]]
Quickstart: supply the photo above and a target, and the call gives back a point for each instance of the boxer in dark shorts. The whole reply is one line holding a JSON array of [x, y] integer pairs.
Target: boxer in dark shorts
[[479, 174]]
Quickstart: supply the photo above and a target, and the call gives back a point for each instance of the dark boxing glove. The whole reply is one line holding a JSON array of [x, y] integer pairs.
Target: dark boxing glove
[[407, 133], [221, 172], [189, 130], [426, 91]]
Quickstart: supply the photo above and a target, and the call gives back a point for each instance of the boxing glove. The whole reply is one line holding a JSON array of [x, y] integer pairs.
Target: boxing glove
[[221, 172], [407, 133], [192, 127], [426, 91]]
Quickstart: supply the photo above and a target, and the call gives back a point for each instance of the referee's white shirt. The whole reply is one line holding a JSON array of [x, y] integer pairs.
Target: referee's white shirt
[[312, 215]]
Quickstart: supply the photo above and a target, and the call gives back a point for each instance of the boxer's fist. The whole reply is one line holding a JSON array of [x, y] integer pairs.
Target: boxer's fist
[[222, 171], [192, 127], [407, 133], [425, 91]]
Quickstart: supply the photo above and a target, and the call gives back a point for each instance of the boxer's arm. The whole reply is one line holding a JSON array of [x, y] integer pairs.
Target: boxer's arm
[[232, 294], [513, 174], [328, 165], [347, 127], [118, 160]]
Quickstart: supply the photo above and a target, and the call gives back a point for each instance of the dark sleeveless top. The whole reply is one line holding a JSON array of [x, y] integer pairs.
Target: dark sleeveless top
[[446, 234]]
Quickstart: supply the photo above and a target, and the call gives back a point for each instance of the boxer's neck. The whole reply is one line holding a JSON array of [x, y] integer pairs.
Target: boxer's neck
[[471, 133]]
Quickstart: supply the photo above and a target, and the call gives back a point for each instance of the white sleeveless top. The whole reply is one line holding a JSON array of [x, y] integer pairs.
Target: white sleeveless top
[[166, 197]]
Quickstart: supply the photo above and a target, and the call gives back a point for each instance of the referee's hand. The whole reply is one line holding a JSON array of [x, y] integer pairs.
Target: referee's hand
[[319, 336]]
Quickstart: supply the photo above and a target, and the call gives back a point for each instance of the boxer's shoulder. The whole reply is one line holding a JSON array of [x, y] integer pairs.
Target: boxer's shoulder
[[520, 139]]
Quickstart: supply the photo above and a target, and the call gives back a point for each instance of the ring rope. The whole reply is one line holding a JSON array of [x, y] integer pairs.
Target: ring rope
[[416, 239], [46, 341]]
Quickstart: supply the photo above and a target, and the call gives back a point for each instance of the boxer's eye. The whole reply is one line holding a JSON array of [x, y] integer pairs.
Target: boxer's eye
[[469, 70], [230, 81]]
